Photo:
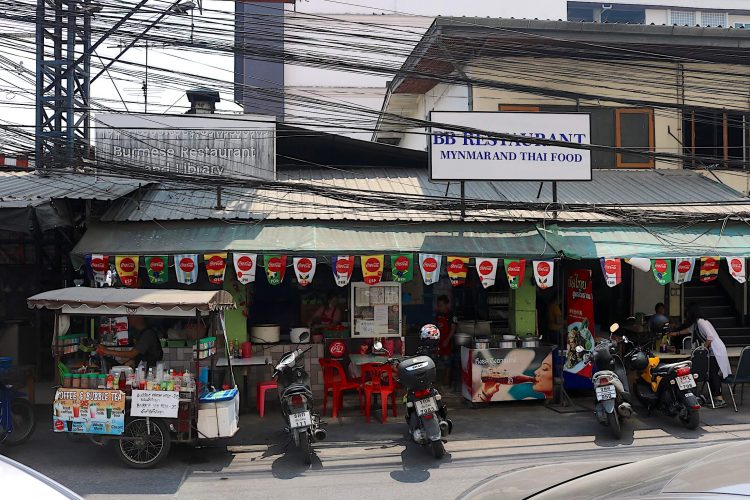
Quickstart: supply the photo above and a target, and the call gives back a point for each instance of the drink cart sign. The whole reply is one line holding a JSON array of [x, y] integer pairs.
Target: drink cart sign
[[89, 411], [462, 146], [579, 320], [506, 374], [163, 404]]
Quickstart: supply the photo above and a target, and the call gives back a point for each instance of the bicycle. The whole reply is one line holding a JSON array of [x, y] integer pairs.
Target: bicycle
[[17, 417]]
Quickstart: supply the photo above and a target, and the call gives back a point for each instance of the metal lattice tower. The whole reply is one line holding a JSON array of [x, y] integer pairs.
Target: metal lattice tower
[[63, 72]]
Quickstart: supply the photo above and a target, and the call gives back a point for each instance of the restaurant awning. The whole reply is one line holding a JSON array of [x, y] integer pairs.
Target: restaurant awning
[[590, 242], [169, 237]]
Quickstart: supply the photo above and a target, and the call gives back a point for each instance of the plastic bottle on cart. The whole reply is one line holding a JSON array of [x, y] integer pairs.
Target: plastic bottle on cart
[[110, 381], [150, 380], [188, 382]]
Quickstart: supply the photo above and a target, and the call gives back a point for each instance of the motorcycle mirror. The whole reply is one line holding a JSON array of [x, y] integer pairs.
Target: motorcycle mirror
[[614, 327], [377, 346], [579, 349]]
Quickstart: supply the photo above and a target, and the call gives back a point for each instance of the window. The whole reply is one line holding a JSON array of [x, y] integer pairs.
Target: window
[[742, 26], [714, 19], [581, 14], [713, 136], [634, 129], [682, 17], [623, 15]]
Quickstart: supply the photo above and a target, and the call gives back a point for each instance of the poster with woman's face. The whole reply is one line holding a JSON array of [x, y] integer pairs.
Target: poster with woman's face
[[507, 374]]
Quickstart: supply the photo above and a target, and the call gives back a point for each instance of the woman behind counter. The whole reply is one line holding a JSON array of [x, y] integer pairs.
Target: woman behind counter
[[328, 315]]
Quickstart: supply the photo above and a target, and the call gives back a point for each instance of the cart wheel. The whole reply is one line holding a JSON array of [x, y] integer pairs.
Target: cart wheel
[[24, 422], [142, 447]]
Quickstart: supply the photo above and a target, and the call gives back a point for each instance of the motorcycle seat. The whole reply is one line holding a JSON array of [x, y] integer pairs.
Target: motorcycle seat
[[663, 369]]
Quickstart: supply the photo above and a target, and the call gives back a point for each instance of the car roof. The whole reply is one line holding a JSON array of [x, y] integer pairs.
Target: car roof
[[20, 481]]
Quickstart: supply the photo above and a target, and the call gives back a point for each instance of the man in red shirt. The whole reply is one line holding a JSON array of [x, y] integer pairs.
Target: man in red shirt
[[446, 323]]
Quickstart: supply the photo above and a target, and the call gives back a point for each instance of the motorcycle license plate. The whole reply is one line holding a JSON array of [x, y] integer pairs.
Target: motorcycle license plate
[[685, 382], [425, 406], [606, 392], [300, 420]]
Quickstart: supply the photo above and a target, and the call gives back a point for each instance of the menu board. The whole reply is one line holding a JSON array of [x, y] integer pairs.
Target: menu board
[[89, 411], [163, 404], [377, 310]]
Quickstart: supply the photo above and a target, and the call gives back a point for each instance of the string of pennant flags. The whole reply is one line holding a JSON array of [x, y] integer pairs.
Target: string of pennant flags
[[186, 267]]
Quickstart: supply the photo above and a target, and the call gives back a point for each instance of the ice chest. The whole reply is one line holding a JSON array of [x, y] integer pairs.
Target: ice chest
[[218, 414]]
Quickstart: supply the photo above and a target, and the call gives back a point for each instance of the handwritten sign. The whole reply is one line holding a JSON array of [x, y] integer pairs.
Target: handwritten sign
[[89, 411], [155, 404]]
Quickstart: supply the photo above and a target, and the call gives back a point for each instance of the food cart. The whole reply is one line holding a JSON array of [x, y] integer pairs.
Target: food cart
[[144, 414]]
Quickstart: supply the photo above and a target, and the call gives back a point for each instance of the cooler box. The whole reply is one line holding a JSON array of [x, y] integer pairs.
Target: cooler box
[[218, 414]]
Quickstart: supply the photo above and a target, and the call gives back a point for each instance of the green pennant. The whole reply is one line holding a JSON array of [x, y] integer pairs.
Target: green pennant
[[402, 266], [662, 269], [275, 268], [157, 269]]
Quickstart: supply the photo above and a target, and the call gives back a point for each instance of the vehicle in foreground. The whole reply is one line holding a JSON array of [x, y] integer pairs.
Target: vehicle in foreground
[[20, 481]]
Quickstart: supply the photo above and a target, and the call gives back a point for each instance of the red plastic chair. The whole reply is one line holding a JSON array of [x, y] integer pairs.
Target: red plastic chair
[[380, 382], [335, 380], [368, 373], [260, 394]]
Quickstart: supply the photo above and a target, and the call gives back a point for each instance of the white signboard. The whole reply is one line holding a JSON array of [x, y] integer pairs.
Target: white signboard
[[463, 155], [163, 404], [198, 145]]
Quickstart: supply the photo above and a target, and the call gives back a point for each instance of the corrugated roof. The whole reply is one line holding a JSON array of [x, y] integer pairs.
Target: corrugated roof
[[656, 191], [29, 189]]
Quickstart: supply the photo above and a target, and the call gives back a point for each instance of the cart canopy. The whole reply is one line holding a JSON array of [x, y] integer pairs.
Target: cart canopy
[[123, 301]]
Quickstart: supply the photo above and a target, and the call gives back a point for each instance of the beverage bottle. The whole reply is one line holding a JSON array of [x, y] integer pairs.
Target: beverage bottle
[[116, 381], [110, 381], [150, 380], [507, 379]]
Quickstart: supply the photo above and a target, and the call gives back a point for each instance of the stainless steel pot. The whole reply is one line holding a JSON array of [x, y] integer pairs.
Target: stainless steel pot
[[529, 342], [505, 344], [462, 339], [481, 342]]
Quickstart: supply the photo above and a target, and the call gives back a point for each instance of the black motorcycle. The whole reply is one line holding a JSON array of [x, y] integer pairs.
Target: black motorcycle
[[296, 400], [665, 387], [426, 414]]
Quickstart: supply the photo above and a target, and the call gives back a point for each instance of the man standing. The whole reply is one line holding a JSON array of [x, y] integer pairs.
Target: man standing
[[446, 322], [147, 345]]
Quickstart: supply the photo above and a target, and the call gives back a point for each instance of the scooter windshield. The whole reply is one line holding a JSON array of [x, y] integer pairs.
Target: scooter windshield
[[287, 360]]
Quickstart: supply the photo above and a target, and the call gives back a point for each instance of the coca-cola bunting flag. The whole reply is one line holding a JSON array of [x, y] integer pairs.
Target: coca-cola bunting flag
[[98, 265], [544, 273], [486, 270], [245, 265], [186, 268], [216, 264], [662, 269], [372, 268], [343, 267], [304, 269], [157, 269], [683, 269], [709, 268], [515, 270], [457, 270], [612, 271], [429, 266], [127, 270], [402, 266], [275, 268], [736, 267]]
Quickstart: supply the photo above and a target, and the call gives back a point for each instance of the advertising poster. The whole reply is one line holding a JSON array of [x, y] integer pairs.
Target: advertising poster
[[372, 268], [429, 266], [98, 267], [89, 411], [515, 270], [506, 374], [402, 267], [156, 269], [662, 269], [216, 265], [457, 270], [244, 267], [275, 268], [304, 269], [186, 268], [612, 270], [709, 268], [544, 273], [127, 270], [343, 267], [487, 270], [736, 267], [579, 301], [683, 270]]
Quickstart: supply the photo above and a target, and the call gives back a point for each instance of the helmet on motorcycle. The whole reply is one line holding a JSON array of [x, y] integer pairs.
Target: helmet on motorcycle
[[639, 361], [429, 332]]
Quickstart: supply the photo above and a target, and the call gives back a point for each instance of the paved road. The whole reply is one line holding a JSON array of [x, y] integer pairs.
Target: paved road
[[369, 461]]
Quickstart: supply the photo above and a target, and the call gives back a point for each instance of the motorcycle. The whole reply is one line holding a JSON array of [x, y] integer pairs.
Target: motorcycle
[[610, 384], [426, 414], [666, 387], [296, 400]]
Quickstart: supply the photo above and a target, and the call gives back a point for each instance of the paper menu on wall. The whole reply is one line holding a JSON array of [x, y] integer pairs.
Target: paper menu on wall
[[381, 318], [377, 295], [365, 327], [361, 297], [391, 295]]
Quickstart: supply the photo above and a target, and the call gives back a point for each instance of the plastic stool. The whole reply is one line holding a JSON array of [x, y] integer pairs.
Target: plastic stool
[[261, 389]]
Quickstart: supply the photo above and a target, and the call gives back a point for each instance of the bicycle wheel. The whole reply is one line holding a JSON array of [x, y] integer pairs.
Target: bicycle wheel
[[24, 422]]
